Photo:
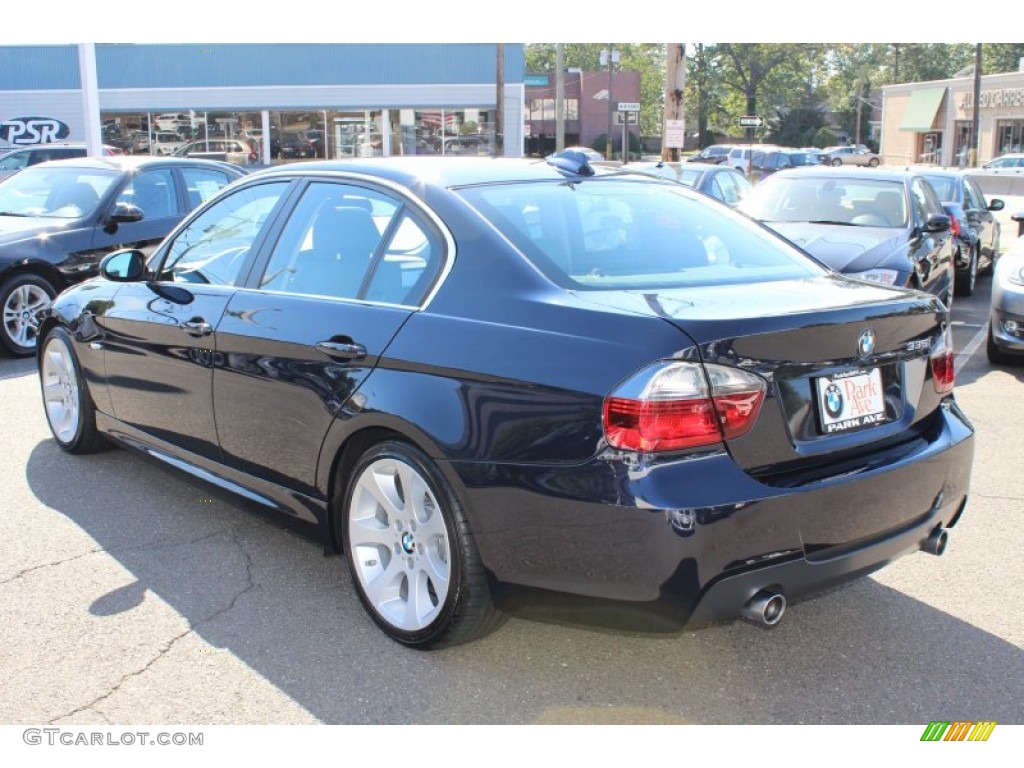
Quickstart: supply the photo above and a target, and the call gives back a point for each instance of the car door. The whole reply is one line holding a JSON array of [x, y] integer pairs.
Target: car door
[[348, 268], [980, 217], [158, 335]]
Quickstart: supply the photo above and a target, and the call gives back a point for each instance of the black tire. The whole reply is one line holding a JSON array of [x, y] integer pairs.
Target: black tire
[[20, 294], [837, 161], [873, 162], [967, 280], [395, 555], [998, 356], [70, 411]]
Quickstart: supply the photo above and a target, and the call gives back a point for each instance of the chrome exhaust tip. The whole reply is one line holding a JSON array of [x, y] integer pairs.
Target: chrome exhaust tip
[[936, 542], [765, 608]]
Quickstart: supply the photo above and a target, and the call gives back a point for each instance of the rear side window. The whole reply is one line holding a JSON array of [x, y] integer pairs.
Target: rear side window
[[616, 234]]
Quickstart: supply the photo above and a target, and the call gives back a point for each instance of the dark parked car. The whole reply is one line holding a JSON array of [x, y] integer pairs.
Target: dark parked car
[[765, 163], [885, 226], [494, 381], [291, 145], [716, 154], [721, 182], [976, 229], [25, 157], [57, 220]]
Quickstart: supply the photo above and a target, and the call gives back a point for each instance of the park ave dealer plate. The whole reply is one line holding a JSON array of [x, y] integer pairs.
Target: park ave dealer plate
[[851, 400]]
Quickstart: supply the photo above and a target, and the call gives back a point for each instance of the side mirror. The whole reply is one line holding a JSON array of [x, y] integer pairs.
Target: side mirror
[[937, 222], [125, 213], [123, 266], [996, 204]]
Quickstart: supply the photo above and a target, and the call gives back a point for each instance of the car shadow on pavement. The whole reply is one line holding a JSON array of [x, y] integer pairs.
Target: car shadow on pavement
[[863, 654]]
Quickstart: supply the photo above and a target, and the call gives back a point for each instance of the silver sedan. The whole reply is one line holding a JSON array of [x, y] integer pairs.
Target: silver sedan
[[849, 156], [1006, 316]]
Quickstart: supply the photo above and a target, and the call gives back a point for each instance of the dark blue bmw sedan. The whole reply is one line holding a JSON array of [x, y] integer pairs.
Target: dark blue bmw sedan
[[495, 383]]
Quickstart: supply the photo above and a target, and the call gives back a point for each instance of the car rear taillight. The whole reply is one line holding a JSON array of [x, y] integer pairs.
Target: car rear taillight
[[954, 225], [674, 405], [943, 374]]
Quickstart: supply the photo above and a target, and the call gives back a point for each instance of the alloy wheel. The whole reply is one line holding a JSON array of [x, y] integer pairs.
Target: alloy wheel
[[60, 390], [398, 544], [21, 314]]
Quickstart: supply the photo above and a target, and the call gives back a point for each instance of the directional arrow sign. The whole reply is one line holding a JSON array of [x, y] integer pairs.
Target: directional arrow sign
[[752, 121]]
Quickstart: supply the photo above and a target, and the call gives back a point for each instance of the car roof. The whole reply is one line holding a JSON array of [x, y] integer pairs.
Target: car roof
[[132, 162], [439, 171], [848, 172]]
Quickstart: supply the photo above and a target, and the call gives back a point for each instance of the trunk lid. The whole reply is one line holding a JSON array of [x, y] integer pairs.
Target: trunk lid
[[831, 392]]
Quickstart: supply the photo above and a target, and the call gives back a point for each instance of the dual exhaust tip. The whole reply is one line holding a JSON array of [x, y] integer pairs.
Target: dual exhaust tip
[[767, 607]]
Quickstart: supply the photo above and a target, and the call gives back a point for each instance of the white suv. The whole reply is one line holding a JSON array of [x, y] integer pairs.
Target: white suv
[[739, 156]]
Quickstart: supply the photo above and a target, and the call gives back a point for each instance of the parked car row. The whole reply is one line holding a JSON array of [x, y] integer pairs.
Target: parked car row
[[760, 160], [490, 382], [59, 219]]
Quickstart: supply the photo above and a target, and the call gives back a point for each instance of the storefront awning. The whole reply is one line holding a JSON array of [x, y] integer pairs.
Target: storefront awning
[[921, 110]]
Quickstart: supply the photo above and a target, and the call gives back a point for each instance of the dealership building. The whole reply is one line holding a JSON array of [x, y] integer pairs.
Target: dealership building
[[345, 99], [931, 122]]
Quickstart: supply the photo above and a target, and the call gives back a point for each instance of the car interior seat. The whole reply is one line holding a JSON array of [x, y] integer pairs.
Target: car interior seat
[[77, 194], [345, 239], [889, 205]]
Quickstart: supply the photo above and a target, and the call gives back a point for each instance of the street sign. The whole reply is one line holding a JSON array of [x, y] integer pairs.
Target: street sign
[[751, 121], [675, 133], [629, 106]]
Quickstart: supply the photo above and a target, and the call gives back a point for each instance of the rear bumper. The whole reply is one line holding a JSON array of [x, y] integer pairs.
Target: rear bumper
[[693, 539]]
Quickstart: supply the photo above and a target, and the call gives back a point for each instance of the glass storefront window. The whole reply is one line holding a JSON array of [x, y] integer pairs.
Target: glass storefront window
[[468, 131], [310, 134], [1009, 136]]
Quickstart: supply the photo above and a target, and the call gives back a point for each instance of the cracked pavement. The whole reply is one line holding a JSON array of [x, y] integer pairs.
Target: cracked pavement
[[129, 595]]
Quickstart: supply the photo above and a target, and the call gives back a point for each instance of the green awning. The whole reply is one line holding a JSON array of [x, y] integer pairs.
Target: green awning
[[921, 110]]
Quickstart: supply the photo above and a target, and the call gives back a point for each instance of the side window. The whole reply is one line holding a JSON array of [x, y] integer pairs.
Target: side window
[[153, 192], [201, 184], [214, 246], [973, 197], [925, 203], [349, 242], [329, 243], [727, 186], [408, 266]]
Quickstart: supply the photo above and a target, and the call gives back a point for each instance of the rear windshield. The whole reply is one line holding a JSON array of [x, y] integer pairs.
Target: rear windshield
[[620, 234], [944, 187]]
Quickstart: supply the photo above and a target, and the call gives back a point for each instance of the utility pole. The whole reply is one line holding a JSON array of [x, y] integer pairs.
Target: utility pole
[[559, 97], [675, 88], [976, 116], [499, 112], [860, 100], [611, 103]]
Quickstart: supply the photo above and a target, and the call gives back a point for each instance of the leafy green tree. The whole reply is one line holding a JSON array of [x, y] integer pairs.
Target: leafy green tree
[[1001, 57]]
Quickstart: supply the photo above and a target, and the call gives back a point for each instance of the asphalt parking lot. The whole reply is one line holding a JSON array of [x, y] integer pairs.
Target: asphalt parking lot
[[133, 595]]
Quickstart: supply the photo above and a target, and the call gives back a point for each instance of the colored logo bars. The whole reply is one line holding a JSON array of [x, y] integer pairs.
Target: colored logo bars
[[960, 730]]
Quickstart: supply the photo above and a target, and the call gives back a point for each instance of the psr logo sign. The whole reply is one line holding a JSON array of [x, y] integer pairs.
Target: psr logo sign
[[33, 130]]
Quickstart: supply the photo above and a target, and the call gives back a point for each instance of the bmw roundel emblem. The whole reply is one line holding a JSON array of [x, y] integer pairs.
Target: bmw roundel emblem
[[866, 344], [833, 400]]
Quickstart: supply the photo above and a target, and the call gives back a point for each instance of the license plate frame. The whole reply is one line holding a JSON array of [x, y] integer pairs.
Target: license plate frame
[[850, 401]]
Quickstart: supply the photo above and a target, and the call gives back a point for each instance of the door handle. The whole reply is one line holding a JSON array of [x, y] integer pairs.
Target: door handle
[[197, 327], [342, 350]]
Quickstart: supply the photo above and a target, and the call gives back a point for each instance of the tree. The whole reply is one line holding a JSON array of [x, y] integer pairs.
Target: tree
[[1001, 57]]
